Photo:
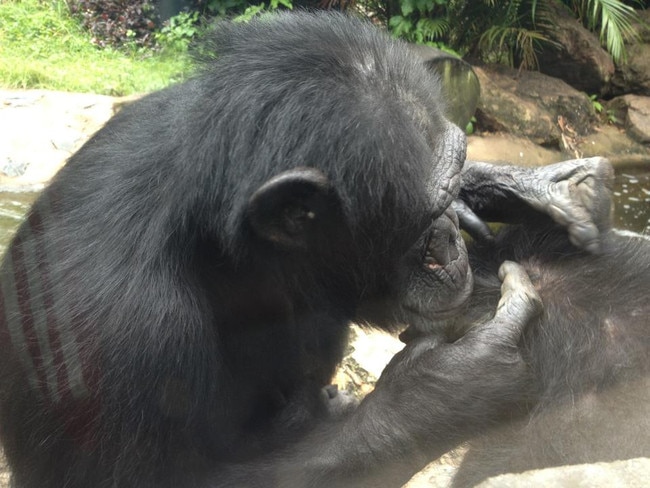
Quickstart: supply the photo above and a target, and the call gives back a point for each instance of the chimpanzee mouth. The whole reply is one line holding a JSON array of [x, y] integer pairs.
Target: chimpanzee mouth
[[431, 263], [444, 283], [443, 247], [440, 292]]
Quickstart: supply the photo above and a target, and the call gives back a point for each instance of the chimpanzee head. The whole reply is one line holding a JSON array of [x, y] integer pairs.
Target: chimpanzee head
[[345, 166]]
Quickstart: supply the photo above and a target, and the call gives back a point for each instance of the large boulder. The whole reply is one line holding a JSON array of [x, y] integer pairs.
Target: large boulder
[[40, 129], [511, 149], [633, 76], [575, 55], [634, 110], [632, 473], [531, 104], [642, 25]]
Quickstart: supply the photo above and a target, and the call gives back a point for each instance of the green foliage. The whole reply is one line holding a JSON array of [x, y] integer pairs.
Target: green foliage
[[118, 23], [421, 21], [495, 30], [504, 31], [55, 51], [42, 46], [595, 103], [255, 10], [612, 118], [223, 8], [471, 126], [608, 115], [512, 44], [612, 19], [244, 10], [178, 31]]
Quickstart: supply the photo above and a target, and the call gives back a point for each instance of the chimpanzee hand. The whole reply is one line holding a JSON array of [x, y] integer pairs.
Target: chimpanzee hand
[[338, 403], [576, 194], [443, 393]]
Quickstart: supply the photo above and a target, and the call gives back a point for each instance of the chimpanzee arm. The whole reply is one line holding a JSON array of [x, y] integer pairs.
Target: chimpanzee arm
[[574, 193], [431, 397]]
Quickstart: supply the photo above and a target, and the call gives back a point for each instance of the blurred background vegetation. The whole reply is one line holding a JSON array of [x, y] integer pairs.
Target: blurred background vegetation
[[120, 47]]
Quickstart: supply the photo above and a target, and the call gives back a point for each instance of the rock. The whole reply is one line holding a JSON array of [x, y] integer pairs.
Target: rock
[[511, 149], [632, 473], [634, 110], [642, 25], [368, 353], [439, 473], [530, 104], [634, 75], [577, 56], [40, 129], [613, 142]]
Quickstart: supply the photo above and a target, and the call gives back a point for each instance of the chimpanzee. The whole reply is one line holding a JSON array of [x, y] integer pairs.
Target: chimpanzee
[[177, 299], [588, 351]]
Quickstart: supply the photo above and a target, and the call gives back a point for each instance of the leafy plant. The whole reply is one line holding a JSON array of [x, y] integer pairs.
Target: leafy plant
[[504, 31], [471, 126], [240, 10], [178, 31], [118, 22], [612, 19], [595, 103], [255, 10], [612, 118], [608, 115], [421, 21]]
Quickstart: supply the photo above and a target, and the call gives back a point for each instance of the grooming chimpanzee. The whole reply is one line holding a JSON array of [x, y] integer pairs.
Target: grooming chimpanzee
[[176, 302]]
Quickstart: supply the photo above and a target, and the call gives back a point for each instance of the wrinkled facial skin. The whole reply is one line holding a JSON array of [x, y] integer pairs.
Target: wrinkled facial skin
[[433, 278], [442, 280]]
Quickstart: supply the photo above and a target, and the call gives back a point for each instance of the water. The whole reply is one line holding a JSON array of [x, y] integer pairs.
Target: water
[[631, 210], [13, 207], [632, 200]]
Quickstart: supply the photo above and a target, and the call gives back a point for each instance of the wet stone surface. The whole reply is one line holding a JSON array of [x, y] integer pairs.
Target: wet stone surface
[[632, 197]]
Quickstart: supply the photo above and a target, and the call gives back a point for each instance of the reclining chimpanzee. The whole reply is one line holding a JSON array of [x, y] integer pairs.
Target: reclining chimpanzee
[[175, 304], [588, 352]]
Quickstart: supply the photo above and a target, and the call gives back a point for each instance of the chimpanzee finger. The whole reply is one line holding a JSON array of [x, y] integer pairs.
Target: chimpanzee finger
[[519, 302], [472, 223], [580, 224], [518, 305], [579, 198]]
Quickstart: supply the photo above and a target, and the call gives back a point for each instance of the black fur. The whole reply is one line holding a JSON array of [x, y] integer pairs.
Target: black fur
[[180, 294], [177, 301]]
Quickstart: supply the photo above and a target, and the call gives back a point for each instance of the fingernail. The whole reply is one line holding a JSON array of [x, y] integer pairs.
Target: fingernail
[[593, 247]]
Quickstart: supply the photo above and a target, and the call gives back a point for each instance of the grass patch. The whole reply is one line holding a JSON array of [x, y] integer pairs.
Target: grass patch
[[42, 46]]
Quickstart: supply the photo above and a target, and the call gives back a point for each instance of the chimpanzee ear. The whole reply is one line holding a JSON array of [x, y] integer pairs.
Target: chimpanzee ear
[[293, 208]]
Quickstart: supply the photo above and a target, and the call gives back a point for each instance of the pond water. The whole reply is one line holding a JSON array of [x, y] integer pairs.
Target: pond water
[[632, 200], [631, 210], [13, 207]]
